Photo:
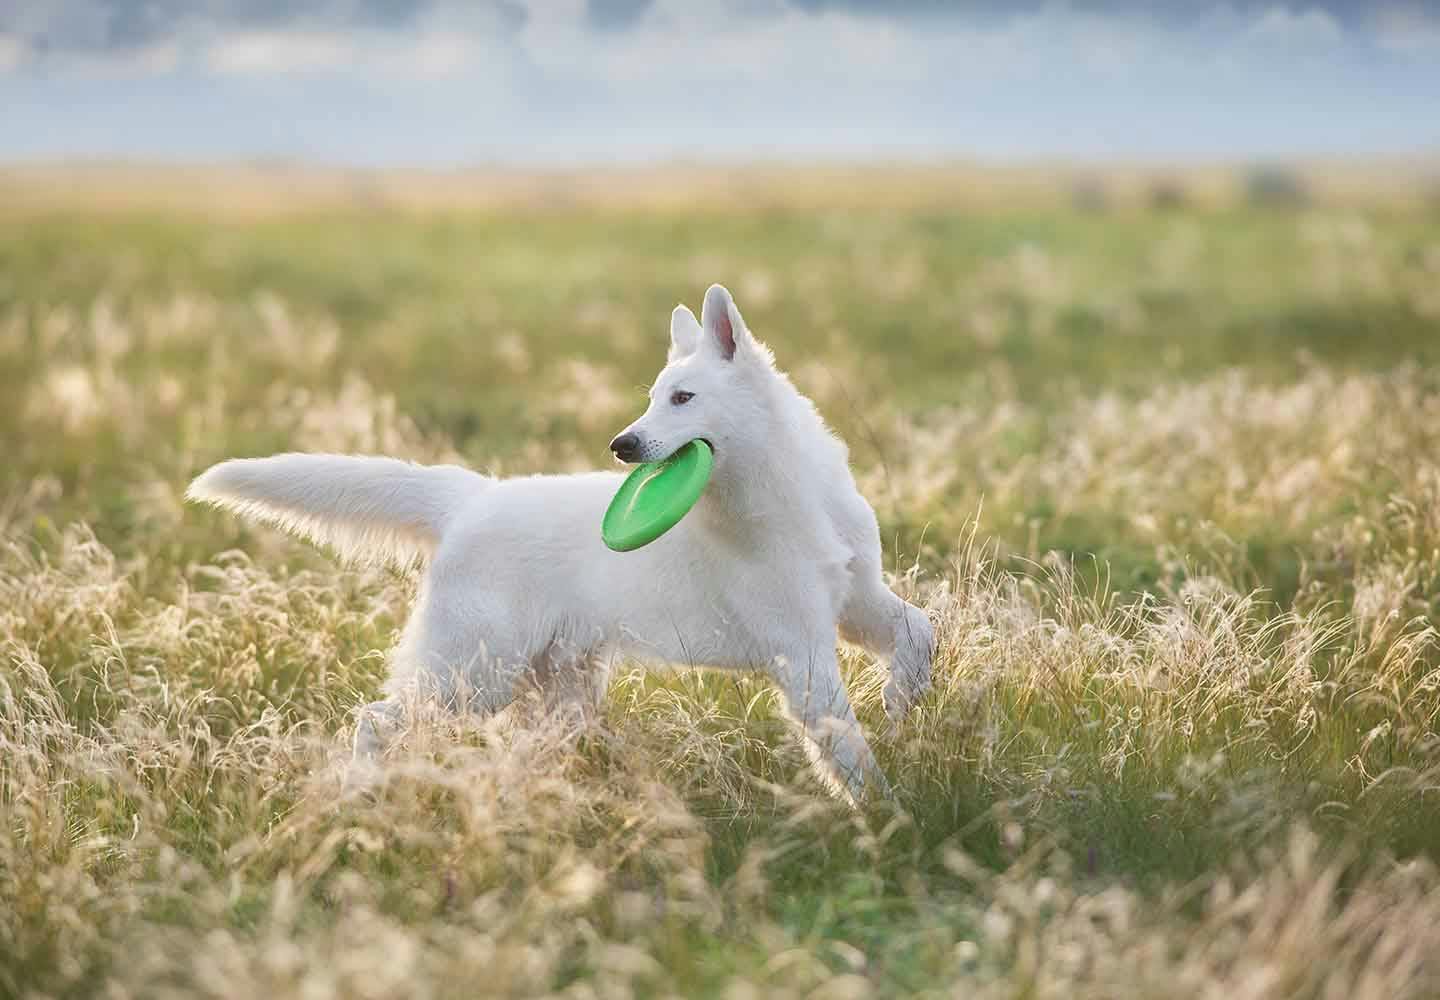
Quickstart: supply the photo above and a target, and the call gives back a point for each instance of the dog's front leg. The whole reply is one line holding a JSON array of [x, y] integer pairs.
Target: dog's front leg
[[571, 683], [815, 698], [899, 633]]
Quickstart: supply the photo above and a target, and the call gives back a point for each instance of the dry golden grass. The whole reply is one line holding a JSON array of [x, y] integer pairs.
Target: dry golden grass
[[1167, 483]]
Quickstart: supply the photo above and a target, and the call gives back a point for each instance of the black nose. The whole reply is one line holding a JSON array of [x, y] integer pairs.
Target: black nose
[[625, 447]]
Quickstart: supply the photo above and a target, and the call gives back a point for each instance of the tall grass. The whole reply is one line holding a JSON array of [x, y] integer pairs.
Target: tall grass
[[1171, 500]]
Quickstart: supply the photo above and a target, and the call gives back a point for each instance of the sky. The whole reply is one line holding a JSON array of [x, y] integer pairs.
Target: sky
[[443, 83]]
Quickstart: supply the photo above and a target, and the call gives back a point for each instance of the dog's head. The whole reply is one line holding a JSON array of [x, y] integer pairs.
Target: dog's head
[[713, 387]]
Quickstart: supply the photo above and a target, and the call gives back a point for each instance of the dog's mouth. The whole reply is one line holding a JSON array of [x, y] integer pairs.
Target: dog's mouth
[[635, 458]]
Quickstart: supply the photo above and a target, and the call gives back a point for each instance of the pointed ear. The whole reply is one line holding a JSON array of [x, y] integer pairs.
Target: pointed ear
[[684, 333], [724, 328]]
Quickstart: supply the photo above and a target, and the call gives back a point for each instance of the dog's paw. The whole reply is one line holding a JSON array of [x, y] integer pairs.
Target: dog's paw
[[910, 668], [901, 694], [361, 779]]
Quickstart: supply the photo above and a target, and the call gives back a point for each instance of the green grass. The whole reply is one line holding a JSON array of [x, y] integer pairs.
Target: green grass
[[1167, 482]]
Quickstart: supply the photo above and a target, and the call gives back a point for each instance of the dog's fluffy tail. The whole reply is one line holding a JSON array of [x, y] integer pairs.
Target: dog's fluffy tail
[[367, 509]]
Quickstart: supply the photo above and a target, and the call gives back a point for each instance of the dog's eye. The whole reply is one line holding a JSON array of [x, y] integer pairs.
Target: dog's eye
[[680, 397]]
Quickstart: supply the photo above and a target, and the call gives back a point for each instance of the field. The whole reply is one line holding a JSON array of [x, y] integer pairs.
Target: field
[[1162, 462]]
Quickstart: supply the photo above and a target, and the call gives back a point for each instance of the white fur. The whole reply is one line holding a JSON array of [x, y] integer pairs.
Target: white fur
[[364, 508], [780, 551]]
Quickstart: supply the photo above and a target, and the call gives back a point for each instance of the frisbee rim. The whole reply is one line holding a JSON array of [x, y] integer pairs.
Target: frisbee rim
[[624, 529]]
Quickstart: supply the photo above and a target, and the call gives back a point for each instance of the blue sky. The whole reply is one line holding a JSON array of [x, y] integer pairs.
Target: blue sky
[[441, 83]]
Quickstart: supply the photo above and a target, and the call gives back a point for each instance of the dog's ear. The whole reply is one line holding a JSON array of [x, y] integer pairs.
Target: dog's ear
[[724, 328], [684, 333]]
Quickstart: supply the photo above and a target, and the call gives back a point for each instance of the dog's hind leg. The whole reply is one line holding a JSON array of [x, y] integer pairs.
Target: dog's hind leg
[[443, 657], [815, 699], [898, 632], [570, 681], [470, 650], [375, 726]]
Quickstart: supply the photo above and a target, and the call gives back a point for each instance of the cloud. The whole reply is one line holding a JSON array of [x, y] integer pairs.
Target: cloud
[[251, 38], [614, 15], [427, 55], [71, 26], [12, 53], [1407, 28], [91, 27], [151, 59], [611, 46], [64, 26], [678, 44], [271, 52], [559, 80], [1311, 27]]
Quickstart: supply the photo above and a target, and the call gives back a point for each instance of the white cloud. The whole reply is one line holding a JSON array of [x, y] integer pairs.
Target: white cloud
[[1309, 28], [429, 55], [281, 52], [680, 43], [12, 53]]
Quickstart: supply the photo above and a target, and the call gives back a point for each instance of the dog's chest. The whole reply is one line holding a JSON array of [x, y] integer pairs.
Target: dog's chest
[[792, 579], [730, 606]]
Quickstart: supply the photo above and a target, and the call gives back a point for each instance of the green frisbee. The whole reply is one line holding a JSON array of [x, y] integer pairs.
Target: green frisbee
[[654, 497]]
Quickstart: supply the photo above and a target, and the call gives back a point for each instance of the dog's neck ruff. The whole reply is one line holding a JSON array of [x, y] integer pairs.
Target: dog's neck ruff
[[748, 493]]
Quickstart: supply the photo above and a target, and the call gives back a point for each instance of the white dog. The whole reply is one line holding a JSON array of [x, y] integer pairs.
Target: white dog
[[780, 550]]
